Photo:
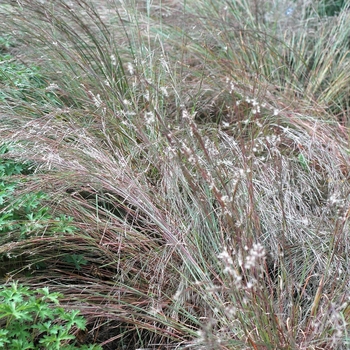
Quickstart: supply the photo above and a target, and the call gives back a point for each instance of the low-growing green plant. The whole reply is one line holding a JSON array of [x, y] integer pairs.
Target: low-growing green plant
[[25, 215], [34, 319], [5, 43], [17, 79], [21, 81], [10, 167]]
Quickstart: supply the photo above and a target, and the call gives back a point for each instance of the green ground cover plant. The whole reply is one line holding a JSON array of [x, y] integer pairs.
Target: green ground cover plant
[[189, 169], [25, 216], [18, 81], [28, 320]]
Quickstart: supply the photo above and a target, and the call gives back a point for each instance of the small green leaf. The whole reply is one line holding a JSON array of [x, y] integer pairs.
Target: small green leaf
[[303, 161], [43, 327], [77, 259], [4, 337], [72, 319], [53, 297]]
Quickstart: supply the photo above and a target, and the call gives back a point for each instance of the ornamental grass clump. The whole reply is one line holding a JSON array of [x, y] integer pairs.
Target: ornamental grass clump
[[199, 154]]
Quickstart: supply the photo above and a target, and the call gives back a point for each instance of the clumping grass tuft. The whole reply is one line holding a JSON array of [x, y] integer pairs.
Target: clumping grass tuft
[[192, 165]]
